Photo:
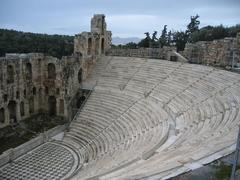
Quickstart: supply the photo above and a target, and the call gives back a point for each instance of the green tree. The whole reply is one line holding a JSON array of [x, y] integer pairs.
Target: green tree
[[180, 40], [193, 26], [146, 41], [163, 38], [154, 40]]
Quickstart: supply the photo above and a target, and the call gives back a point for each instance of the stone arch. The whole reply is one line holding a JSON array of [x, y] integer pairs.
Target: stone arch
[[61, 106], [12, 111], [31, 105], [28, 71], [80, 75], [89, 45], [52, 105], [2, 115], [102, 46], [10, 74], [51, 71], [22, 109]]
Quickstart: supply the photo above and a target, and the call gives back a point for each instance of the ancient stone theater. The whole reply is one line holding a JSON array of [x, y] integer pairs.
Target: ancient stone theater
[[143, 118]]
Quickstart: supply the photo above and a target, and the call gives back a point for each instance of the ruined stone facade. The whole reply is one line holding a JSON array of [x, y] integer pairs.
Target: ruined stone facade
[[96, 42], [223, 52], [33, 83]]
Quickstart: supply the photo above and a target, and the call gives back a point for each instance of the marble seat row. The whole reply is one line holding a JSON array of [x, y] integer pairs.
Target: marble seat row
[[154, 118]]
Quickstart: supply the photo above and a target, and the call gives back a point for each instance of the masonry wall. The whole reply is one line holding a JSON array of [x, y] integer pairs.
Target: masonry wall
[[33, 83], [156, 53], [217, 53]]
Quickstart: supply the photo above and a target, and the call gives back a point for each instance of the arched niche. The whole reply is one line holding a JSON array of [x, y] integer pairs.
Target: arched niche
[[102, 46], [10, 74], [2, 115], [12, 111], [89, 45], [80, 75], [52, 105], [22, 109], [51, 71]]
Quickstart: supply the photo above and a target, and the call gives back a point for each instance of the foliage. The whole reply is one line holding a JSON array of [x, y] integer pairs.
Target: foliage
[[210, 33], [145, 42], [163, 38], [12, 41], [193, 26], [180, 40]]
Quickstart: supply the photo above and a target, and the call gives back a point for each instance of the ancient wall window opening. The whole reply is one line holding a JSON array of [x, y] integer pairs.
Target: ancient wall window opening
[[2, 115], [52, 105], [34, 91], [58, 91], [12, 111], [17, 94], [22, 109], [5, 97], [25, 93], [31, 105], [102, 46], [89, 46], [46, 90], [51, 71], [10, 74], [80, 75], [28, 71]]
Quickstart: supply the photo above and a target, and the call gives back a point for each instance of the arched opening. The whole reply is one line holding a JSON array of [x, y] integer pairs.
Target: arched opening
[[12, 111], [61, 106], [34, 91], [52, 105], [102, 46], [31, 105], [17, 94], [22, 109], [58, 91], [80, 75], [2, 115], [29, 71], [25, 93], [10, 74], [51, 71], [46, 90], [5, 97], [89, 46]]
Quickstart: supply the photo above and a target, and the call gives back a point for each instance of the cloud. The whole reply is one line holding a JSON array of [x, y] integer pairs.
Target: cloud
[[125, 18]]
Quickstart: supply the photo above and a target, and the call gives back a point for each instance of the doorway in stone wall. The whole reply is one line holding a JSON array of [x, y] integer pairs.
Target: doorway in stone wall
[[12, 111], [52, 105], [102, 46]]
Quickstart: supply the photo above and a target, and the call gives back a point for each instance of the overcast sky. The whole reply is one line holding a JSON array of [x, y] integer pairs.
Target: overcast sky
[[125, 18]]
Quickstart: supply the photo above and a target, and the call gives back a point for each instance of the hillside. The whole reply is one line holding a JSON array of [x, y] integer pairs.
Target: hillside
[[12, 41]]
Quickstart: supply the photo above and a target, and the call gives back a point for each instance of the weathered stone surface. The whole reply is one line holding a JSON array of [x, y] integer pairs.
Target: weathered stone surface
[[217, 53]]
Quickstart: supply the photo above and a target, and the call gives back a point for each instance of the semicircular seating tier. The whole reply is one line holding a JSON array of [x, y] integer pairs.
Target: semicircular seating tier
[[154, 119]]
